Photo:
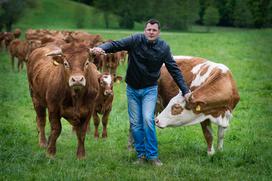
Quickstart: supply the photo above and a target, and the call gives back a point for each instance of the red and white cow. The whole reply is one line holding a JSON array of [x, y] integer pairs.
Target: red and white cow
[[214, 95], [103, 103]]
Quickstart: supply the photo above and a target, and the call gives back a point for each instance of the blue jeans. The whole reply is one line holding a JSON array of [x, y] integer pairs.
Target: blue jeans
[[141, 108]]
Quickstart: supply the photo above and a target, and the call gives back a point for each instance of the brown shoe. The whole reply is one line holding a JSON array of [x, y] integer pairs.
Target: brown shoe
[[156, 162]]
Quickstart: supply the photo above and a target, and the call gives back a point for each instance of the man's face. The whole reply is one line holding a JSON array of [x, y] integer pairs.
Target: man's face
[[152, 31]]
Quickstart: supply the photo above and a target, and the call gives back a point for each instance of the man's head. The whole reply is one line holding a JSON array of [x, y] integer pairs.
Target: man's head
[[152, 29]]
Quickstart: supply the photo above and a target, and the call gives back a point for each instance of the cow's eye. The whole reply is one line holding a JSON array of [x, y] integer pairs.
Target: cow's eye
[[87, 63], [66, 64]]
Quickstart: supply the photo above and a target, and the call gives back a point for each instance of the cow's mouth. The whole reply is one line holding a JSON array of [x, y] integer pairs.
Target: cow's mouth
[[77, 88], [157, 123]]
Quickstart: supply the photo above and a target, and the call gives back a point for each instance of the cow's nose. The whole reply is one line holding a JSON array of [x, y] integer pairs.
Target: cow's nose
[[77, 80], [157, 121], [108, 92]]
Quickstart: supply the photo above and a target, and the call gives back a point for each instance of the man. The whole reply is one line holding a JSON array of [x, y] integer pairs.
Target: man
[[146, 54]]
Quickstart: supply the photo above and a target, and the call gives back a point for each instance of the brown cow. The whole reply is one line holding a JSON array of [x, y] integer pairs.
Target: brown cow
[[17, 33], [64, 81], [21, 50], [103, 103], [90, 39], [214, 95], [8, 37]]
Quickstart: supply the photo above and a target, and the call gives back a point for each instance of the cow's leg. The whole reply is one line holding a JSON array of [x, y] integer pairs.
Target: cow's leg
[[96, 124], [41, 121], [20, 65], [55, 132], [207, 131], [12, 62], [81, 134], [220, 135], [105, 123]]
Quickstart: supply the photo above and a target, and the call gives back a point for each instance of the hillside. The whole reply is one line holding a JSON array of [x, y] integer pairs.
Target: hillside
[[64, 14]]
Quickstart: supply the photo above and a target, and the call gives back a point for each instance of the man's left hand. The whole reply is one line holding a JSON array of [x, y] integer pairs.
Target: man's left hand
[[187, 96]]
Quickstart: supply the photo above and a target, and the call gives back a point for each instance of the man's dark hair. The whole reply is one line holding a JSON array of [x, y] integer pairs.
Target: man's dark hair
[[153, 21]]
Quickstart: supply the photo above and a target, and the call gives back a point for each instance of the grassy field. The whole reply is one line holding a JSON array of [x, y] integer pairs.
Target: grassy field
[[65, 14], [248, 141]]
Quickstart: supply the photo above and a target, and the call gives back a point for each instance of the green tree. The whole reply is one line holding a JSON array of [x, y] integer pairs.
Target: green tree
[[12, 11], [211, 17], [226, 10], [176, 14], [261, 11], [242, 14], [80, 16], [126, 11], [107, 7]]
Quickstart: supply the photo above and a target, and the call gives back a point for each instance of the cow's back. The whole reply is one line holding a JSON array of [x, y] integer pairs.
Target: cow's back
[[167, 87]]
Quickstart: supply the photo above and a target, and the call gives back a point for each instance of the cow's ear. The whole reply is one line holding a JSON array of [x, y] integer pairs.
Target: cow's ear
[[118, 78], [99, 77], [56, 55], [92, 55]]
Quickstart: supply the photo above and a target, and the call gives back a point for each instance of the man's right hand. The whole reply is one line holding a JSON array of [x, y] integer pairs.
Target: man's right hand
[[97, 51]]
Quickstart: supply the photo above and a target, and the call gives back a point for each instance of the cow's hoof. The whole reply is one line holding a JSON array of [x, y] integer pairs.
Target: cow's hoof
[[43, 145], [220, 149], [42, 142], [81, 157], [104, 136], [50, 155], [211, 152]]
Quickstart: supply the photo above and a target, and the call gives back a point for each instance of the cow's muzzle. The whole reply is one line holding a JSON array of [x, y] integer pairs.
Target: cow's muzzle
[[77, 81], [157, 122], [108, 92]]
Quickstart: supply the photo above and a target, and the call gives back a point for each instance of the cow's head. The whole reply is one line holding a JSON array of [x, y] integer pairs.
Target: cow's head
[[75, 61], [106, 84], [176, 113]]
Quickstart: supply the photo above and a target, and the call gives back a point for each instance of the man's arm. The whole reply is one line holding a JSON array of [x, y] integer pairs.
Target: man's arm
[[175, 72], [114, 46]]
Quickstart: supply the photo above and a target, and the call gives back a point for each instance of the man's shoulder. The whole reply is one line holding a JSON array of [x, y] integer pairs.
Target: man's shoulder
[[138, 35], [163, 44]]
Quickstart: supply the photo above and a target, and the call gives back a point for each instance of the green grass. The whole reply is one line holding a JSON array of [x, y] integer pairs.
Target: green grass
[[247, 148], [64, 14]]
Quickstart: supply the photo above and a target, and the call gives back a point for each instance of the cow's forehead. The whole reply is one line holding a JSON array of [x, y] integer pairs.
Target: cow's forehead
[[77, 57], [178, 99], [107, 79]]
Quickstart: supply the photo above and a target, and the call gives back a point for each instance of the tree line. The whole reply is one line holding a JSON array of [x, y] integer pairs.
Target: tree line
[[173, 14], [182, 14]]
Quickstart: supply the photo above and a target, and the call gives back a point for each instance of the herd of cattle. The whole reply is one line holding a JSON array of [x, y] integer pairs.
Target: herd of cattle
[[70, 82]]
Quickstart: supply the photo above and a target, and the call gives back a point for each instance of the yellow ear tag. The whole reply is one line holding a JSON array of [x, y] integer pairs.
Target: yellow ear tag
[[198, 108], [55, 63]]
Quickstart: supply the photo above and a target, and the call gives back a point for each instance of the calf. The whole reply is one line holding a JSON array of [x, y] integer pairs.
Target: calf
[[103, 103], [21, 50], [214, 95], [63, 81]]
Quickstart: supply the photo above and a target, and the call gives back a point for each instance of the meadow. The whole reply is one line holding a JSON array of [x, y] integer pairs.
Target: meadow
[[248, 140]]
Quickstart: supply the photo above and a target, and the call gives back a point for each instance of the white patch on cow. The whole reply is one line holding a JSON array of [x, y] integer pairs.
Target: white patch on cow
[[211, 153], [199, 79], [182, 57], [187, 117], [222, 120], [220, 139], [107, 79]]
